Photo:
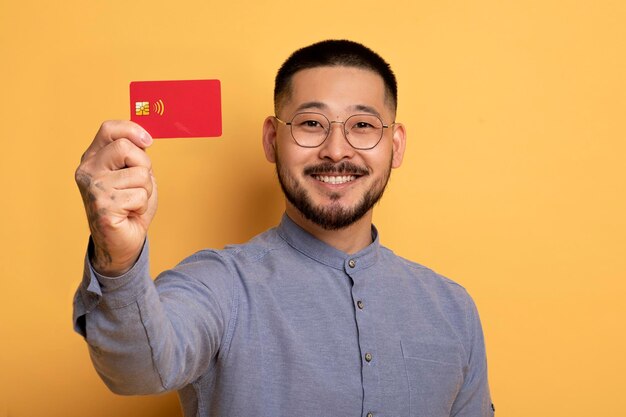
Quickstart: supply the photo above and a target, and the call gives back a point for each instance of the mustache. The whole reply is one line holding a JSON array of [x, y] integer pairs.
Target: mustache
[[345, 167]]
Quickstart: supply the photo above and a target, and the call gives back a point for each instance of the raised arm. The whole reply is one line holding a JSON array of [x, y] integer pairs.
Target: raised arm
[[143, 337]]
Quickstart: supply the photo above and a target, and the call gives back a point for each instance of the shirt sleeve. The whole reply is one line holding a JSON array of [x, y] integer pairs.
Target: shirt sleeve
[[474, 398], [147, 336]]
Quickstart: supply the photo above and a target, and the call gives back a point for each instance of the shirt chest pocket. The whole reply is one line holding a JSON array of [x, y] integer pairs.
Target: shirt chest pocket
[[435, 375]]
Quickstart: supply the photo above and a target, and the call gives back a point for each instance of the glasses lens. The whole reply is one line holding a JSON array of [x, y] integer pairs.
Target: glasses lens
[[364, 131], [309, 129]]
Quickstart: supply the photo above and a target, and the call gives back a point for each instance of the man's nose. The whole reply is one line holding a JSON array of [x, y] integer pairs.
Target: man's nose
[[336, 146]]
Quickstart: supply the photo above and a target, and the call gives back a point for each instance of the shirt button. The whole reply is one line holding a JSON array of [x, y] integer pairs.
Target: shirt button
[[351, 263], [360, 304], [368, 357], [370, 414]]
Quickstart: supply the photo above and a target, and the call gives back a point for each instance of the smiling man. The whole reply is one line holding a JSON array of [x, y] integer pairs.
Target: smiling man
[[335, 155], [311, 318]]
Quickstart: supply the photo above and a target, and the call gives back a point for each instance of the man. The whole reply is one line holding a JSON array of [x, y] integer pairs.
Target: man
[[311, 318]]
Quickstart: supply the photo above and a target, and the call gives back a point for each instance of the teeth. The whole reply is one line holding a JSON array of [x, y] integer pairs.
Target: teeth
[[335, 179]]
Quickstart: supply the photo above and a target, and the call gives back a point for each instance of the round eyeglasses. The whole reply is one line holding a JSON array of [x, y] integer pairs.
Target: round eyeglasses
[[310, 130]]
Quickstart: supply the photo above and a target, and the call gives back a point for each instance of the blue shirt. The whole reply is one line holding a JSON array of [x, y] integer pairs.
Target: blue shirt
[[286, 325]]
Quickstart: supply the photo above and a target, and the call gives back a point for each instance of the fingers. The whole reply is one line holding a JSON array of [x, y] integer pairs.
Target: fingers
[[133, 200], [115, 161], [121, 153], [134, 177], [111, 131], [123, 189]]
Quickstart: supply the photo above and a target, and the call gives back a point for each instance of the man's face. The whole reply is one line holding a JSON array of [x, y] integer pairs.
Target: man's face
[[334, 185]]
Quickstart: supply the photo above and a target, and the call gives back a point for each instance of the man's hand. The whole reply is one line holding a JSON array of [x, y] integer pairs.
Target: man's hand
[[119, 193]]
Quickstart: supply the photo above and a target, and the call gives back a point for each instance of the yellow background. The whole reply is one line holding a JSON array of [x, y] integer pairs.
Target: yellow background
[[513, 182]]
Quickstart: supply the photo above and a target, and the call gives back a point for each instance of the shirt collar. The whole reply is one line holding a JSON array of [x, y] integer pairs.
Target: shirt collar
[[304, 242]]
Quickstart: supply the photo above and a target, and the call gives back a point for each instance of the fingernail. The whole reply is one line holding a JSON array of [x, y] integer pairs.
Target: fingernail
[[146, 138]]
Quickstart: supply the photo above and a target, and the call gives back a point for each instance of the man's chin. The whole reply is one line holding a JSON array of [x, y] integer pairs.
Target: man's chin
[[331, 216], [328, 209]]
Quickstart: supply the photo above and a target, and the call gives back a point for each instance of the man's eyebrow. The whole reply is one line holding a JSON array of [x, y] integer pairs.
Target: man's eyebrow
[[312, 105], [365, 109], [318, 105]]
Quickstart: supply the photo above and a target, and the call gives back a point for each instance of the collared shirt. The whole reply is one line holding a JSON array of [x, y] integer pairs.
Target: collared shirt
[[287, 325]]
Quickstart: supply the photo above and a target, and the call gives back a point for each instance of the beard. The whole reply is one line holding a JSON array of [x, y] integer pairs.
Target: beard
[[333, 216]]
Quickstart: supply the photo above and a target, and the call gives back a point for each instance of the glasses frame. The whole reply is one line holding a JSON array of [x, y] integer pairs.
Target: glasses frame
[[330, 123]]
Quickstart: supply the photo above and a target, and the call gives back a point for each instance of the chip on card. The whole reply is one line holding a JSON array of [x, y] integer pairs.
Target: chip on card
[[177, 109]]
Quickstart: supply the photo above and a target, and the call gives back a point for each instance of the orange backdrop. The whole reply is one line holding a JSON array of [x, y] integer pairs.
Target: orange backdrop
[[513, 182]]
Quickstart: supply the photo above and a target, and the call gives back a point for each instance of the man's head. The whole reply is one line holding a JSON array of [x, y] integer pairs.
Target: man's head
[[329, 98], [332, 53]]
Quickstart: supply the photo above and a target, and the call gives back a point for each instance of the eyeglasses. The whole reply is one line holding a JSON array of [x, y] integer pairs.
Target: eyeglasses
[[310, 130]]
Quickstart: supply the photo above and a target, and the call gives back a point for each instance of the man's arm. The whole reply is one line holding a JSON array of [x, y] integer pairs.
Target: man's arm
[[141, 339], [145, 338]]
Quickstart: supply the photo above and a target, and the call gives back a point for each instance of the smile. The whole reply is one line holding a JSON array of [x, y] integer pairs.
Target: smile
[[342, 179]]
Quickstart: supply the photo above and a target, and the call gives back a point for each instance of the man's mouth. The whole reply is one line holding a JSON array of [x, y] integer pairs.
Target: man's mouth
[[335, 179], [336, 174]]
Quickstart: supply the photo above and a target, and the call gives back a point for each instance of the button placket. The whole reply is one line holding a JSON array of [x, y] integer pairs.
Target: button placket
[[361, 276]]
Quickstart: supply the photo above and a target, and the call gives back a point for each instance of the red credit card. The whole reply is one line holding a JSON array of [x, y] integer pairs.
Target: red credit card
[[177, 109]]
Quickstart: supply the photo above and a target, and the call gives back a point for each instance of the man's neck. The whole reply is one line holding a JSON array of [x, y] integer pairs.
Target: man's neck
[[350, 239]]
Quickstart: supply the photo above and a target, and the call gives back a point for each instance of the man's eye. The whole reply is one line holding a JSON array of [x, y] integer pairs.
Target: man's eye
[[310, 124], [362, 127]]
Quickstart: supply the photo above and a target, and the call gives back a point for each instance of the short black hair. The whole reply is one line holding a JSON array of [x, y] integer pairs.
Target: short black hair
[[330, 53]]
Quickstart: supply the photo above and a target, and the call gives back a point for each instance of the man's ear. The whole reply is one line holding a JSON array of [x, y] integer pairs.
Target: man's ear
[[399, 144], [269, 139]]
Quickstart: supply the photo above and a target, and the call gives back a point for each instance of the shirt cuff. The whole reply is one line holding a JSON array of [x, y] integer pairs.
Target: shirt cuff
[[117, 292]]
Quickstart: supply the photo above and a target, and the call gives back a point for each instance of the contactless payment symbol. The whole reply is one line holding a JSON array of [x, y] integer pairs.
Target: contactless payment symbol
[[159, 107]]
